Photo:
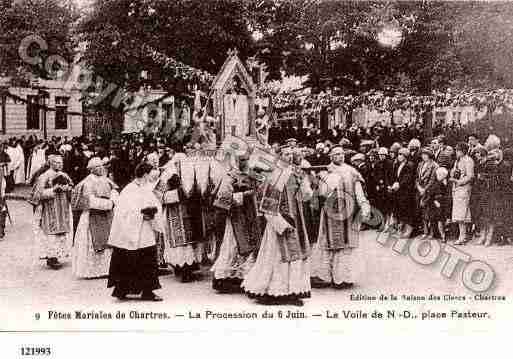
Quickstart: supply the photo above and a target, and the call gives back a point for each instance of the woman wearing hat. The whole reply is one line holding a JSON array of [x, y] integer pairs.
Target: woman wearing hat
[[491, 180], [461, 178], [382, 174], [403, 190], [425, 179], [479, 155], [437, 202]]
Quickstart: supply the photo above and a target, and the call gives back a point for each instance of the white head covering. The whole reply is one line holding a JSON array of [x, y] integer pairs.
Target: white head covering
[[383, 151], [415, 143], [337, 150], [94, 162], [492, 142]]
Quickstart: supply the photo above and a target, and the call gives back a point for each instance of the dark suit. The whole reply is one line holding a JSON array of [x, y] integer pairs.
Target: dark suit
[[318, 159], [382, 178], [404, 203]]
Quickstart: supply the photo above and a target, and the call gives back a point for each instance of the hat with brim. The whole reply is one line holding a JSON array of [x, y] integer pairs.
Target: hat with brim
[[94, 162], [383, 151], [358, 157], [414, 143], [345, 142], [403, 151], [337, 150], [372, 152], [396, 146]]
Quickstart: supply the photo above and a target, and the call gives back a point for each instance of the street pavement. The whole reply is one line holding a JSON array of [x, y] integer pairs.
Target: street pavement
[[28, 286]]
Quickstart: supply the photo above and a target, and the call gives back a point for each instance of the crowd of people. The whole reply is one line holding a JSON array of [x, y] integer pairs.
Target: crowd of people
[[124, 208], [432, 188]]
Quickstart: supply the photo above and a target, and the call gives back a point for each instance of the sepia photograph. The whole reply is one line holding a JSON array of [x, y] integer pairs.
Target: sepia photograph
[[191, 166]]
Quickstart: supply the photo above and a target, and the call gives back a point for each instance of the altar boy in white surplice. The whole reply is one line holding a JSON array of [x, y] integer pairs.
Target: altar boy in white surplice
[[137, 221]]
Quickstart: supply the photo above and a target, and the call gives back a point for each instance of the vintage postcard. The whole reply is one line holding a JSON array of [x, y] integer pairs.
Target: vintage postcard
[[253, 166]]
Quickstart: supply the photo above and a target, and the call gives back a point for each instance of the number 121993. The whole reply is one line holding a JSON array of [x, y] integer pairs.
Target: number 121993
[[35, 351]]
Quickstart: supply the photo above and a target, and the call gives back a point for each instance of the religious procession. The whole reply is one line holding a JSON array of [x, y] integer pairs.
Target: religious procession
[[261, 181]]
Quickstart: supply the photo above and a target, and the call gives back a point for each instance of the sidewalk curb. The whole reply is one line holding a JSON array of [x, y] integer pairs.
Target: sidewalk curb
[[15, 197]]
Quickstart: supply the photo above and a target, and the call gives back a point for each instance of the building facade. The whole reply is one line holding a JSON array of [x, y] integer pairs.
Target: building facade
[[44, 110]]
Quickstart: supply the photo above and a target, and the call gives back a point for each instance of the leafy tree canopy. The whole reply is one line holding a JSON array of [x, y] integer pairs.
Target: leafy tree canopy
[[352, 46], [49, 20]]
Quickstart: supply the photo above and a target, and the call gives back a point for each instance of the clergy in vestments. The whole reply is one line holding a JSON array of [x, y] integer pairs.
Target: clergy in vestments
[[179, 193], [19, 173], [333, 256], [242, 233], [137, 220], [153, 160], [52, 211], [36, 161], [281, 274], [97, 197]]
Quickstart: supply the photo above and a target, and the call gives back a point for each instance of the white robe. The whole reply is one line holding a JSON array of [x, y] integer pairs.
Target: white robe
[[236, 114], [86, 263], [37, 160], [19, 171], [13, 155], [337, 266], [230, 264], [50, 245], [129, 230], [188, 254], [272, 276]]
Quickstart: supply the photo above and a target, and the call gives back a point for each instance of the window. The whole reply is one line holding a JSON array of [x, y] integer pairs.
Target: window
[[61, 113], [32, 113]]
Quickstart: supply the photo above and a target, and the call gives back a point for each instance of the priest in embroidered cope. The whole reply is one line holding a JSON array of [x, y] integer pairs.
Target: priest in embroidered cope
[[97, 196], [242, 233], [344, 205], [52, 210], [281, 274], [179, 194]]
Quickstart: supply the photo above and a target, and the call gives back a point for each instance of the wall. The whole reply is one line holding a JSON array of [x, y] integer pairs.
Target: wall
[[16, 112]]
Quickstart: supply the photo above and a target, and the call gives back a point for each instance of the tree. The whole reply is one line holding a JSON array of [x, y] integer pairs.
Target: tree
[[338, 44], [51, 21], [483, 36], [305, 37], [195, 32]]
